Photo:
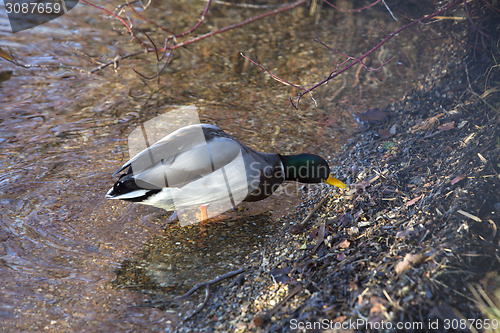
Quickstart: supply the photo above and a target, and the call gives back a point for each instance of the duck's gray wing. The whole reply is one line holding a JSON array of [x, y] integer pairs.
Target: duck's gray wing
[[176, 142], [183, 156]]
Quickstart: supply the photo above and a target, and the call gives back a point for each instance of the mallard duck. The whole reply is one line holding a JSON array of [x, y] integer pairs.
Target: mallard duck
[[202, 166]]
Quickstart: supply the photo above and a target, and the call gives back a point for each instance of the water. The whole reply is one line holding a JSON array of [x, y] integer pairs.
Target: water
[[63, 133]]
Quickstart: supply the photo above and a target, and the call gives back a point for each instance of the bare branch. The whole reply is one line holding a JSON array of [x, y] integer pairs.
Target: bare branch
[[382, 42], [237, 25], [280, 80], [119, 18], [389, 10], [469, 16], [208, 283], [201, 306], [167, 49], [12, 59], [197, 23]]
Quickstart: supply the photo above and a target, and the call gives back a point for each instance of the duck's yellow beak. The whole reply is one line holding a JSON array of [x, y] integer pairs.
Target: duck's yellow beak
[[335, 182]]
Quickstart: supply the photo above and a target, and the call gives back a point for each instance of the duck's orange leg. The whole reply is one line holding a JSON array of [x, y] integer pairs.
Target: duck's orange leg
[[203, 231], [204, 213]]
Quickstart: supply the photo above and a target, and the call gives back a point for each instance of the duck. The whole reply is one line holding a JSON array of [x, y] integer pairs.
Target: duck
[[200, 167]]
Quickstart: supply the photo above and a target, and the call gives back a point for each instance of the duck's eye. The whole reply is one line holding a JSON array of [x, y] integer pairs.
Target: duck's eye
[[118, 186]]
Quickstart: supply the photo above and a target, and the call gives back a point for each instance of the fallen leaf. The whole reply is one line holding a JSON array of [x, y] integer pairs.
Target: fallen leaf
[[314, 232], [344, 244], [321, 237], [427, 124], [408, 261], [457, 179], [447, 126], [401, 267], [412, 201], [345, 220], [384, 133], [341, 256], [371, 116]]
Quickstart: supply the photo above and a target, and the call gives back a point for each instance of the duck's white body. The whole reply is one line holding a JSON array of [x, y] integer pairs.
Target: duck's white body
[[198, 165]]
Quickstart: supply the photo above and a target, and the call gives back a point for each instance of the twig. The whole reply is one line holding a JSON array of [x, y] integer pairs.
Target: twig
[[286, 83], [209, 283], [205, 11], [425, 235], [119, 18], [469, 16], [389, 10], [116, 60], [314, 210], [201, 306], [476, 94], [12, 59], [197, 286], [353, 58], [469, 215]]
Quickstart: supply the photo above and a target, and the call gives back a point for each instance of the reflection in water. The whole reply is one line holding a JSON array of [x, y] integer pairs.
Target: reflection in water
[[63, 132], [182, 257]]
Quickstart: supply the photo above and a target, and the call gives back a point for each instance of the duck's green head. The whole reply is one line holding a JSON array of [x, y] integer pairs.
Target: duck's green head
[[309, 168]]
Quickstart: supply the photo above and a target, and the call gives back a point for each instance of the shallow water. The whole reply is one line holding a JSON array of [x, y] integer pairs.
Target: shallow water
[[63, 133]]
